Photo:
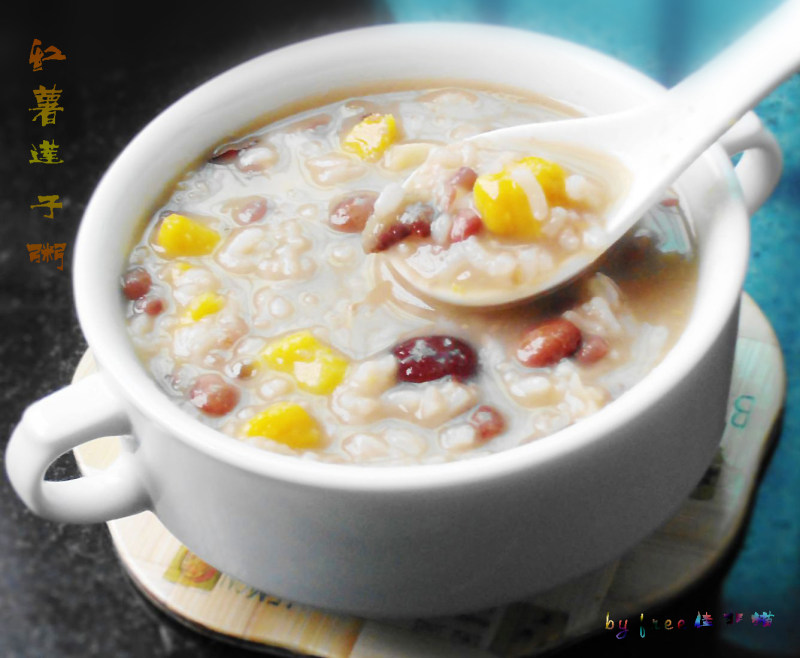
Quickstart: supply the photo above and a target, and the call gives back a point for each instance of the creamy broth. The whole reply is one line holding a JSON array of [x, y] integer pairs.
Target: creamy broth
[[257, 300]]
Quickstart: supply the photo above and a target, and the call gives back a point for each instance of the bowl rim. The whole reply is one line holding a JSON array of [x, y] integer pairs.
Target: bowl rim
[[118, 362]]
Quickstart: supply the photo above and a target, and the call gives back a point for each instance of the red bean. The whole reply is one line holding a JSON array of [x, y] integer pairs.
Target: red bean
[[418, 217], [421, 228], [592, 349], [228, 153], [415, 220], [391, 236], [548, 342], [243, 369], [427, 358], [466, 223], [464, 178], [251, 211], [154, 306], [256, 158], [149, 305], [351, 214], [487, 421], [224, 157], [136, 283], [213, 395]]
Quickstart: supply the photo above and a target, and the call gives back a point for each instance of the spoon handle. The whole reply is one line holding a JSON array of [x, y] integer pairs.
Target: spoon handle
[[665, 136], [703, 106]]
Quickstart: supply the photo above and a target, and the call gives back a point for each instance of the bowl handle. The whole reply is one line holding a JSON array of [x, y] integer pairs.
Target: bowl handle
[[761, 164], [57, 423]]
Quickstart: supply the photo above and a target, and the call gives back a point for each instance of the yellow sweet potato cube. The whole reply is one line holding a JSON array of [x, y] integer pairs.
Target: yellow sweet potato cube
[[550, 176], [203, 305], [316, 367], [371, 136], [287, 423], [504, 207], [180, 236], [503, 203]]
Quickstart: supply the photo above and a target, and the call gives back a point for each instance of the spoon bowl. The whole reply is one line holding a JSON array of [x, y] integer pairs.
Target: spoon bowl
[[651, 143]]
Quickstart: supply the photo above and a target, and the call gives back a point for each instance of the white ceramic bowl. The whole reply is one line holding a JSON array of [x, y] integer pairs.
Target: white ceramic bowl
[[408, 540]]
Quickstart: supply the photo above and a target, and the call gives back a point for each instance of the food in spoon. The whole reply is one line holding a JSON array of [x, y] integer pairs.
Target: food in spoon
[[263, 297], [473, 225]]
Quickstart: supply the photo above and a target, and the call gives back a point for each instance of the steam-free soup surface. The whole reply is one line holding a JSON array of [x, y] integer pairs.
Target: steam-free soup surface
[[262, 294]]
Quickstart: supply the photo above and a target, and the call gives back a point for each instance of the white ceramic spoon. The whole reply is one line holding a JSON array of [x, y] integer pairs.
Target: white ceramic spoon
[[654, 142]]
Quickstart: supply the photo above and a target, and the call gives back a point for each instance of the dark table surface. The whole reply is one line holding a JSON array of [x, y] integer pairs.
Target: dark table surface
[[62, 591]]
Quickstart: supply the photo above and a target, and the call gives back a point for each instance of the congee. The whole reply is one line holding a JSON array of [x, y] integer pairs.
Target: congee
[[263, 293]]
